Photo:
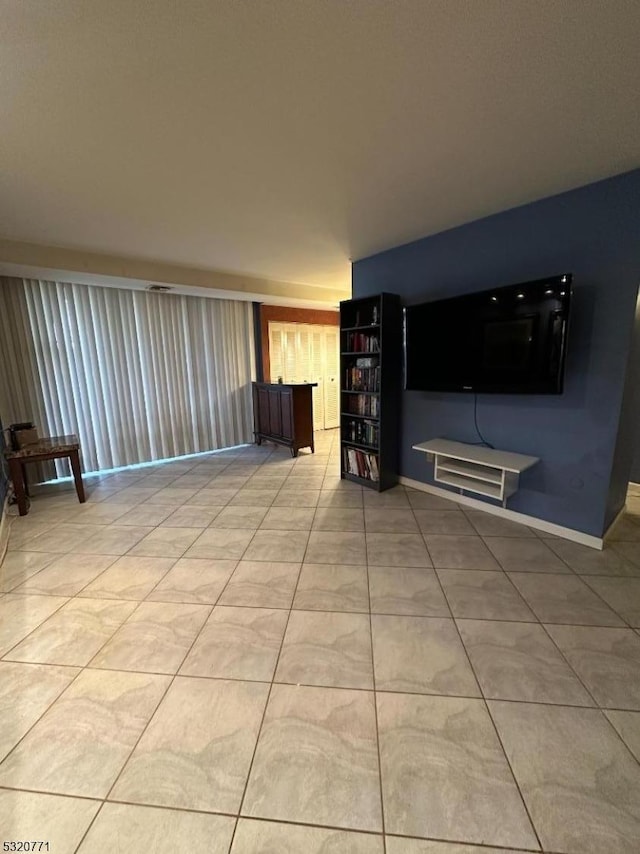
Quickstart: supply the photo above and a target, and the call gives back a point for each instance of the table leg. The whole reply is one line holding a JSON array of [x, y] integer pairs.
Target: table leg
[[16, 474], [74, 459]]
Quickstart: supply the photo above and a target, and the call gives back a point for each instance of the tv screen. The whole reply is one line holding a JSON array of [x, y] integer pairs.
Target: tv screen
[[507, 340]]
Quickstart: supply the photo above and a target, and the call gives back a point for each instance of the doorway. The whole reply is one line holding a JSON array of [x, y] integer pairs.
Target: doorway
[[307, 353]]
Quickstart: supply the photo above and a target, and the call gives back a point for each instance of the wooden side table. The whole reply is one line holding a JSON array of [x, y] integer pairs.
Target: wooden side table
[[48, 448]]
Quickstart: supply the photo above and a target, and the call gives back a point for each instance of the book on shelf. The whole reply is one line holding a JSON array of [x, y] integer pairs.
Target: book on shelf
[[361, 432], [363, 404], [358, 342], [362, 379], [361, 464]]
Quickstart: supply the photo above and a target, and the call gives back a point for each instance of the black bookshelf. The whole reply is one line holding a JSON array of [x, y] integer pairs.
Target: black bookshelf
[[370, 386]]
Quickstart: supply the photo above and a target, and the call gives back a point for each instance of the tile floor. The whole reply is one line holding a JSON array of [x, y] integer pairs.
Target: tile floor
[[240, 653]]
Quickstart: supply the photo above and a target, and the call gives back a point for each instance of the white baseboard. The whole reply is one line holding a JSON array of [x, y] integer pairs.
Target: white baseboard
[[511, 515], [4, 528], [614, 524]]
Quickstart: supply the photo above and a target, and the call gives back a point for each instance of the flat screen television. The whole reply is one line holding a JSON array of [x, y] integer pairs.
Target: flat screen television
[[509, 340]]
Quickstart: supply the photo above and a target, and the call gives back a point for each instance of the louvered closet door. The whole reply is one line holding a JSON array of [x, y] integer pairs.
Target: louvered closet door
[[316, 360], [276, 356], [305, 366], [331, 346], [306, 353], [282, 352], [302, 360], [292, 357]]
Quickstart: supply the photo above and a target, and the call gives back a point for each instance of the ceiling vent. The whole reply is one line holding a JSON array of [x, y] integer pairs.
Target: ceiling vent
[[159, 289]]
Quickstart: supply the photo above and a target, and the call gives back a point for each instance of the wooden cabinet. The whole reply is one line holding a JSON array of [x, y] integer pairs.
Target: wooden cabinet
[[283, 413]]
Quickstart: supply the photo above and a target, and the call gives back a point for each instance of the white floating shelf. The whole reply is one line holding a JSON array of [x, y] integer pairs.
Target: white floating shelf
[[473, 468]]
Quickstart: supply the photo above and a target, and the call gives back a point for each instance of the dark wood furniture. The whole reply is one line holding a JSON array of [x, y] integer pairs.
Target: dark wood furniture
[[371, 385], [50, 448], [283, 413]]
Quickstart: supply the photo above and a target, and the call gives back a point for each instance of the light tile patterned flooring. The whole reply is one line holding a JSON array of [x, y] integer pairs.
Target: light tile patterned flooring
[[241, 653]]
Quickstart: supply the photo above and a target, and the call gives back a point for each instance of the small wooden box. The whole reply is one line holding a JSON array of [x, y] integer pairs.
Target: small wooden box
[[26, 437]]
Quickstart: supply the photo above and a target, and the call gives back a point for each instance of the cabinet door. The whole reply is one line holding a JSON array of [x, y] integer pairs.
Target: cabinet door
[[263, 411], [275, 418], [286, 409]]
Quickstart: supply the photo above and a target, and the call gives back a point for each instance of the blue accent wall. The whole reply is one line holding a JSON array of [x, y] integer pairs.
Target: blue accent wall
[[627, 458], [585, 436]]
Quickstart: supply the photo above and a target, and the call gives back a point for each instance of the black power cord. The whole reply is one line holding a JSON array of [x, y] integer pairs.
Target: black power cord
[[475, 421]]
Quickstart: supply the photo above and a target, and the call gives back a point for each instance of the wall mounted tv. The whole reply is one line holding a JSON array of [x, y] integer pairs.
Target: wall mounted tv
[[509, 340]]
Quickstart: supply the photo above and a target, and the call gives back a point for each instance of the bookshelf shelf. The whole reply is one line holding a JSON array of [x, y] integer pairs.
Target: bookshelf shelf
[[365, 417], [363, 481], [374, 448], [371, 355]]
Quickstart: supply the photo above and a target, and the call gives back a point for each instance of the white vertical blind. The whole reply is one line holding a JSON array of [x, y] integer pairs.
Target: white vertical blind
[[20, 392], [141, 376], [21, 397]]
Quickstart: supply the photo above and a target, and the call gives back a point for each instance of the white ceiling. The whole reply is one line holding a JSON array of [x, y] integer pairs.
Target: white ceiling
[[283, 137]]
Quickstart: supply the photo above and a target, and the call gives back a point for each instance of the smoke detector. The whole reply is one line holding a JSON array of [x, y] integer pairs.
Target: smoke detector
[[159, 289]]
